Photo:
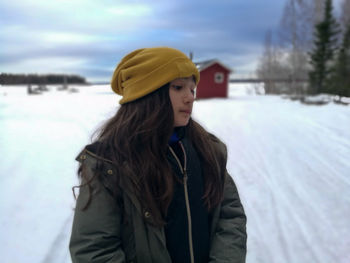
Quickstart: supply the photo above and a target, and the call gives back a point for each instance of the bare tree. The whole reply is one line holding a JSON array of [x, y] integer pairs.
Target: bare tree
[[345, 15], [318, 14], [270, 67], [295, 36], [296, 24]]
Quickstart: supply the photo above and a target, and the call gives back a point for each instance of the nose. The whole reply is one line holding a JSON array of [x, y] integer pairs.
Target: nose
[[188, 96]]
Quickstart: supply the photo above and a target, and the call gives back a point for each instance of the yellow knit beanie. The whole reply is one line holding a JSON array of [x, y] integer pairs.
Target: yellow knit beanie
[[146, 70]]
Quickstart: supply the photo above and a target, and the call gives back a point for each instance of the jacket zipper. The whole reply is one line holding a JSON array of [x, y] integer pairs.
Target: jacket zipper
[[189, 220]]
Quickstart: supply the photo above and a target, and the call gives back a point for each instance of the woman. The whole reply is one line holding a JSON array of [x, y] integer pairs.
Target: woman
[[154, 186]]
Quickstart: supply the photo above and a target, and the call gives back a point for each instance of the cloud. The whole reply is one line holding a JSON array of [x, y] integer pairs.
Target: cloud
[[133, 10], [47, 65], [90, 37]]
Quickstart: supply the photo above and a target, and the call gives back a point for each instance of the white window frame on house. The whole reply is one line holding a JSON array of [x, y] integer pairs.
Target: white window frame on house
[[219, 77]]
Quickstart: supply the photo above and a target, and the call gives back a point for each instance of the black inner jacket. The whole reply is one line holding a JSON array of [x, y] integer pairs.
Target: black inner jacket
[[176, 229]]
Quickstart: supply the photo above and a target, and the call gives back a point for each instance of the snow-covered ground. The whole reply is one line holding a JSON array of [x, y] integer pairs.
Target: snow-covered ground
[[290, 163]]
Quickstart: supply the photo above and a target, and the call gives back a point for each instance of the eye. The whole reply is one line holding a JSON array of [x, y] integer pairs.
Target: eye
[[193, 91], [177, 87]]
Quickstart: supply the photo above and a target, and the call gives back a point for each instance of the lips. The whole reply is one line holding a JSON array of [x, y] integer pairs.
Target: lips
[[186, 111]]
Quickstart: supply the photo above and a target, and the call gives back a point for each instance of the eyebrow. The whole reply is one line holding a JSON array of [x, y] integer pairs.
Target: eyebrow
[[185, 79]]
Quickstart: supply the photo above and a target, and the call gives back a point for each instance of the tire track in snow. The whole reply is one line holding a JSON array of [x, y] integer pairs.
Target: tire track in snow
[[283, 200], [283, 207], [252, 216], [302, 192], [58, 251], [274, 207]]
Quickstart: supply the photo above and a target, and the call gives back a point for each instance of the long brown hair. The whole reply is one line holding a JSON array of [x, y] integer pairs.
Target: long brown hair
[[138, 135]]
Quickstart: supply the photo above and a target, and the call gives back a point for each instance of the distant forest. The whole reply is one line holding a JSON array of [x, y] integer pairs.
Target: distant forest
[[14, 79]]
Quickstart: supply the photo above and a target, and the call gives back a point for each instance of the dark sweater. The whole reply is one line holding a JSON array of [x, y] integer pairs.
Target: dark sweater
[[176, 230]]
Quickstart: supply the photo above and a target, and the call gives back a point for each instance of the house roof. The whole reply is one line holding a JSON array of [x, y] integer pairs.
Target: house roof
[[207, 63]]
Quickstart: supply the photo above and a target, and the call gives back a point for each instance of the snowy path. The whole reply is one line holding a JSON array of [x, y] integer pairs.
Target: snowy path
[[289, 161]]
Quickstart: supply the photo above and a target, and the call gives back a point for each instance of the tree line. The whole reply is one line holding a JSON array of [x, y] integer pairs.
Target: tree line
[[311, 49], [15, 79]]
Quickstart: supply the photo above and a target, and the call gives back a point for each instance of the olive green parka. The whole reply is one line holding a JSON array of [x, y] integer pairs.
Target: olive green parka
[[117, 231]]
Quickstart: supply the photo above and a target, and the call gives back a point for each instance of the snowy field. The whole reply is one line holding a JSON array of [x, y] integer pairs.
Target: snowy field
[[291, 163]]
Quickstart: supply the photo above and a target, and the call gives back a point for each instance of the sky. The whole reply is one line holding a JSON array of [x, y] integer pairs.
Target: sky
[[89, 38]]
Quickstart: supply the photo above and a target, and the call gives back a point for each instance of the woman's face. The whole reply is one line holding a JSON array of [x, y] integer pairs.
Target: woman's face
[[181, 92]]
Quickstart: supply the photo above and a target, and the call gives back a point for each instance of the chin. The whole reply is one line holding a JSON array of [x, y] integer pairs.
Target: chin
[[181, 123]]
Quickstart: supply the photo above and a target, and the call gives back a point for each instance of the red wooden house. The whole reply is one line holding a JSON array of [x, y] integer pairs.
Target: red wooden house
[[214, 78]]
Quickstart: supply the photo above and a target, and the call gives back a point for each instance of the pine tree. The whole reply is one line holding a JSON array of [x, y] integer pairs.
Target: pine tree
[[340, 81], [324, 48]]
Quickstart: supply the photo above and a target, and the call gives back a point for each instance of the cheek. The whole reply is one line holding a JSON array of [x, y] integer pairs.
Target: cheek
[[175, 98], [172, 101], [171, 95]]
